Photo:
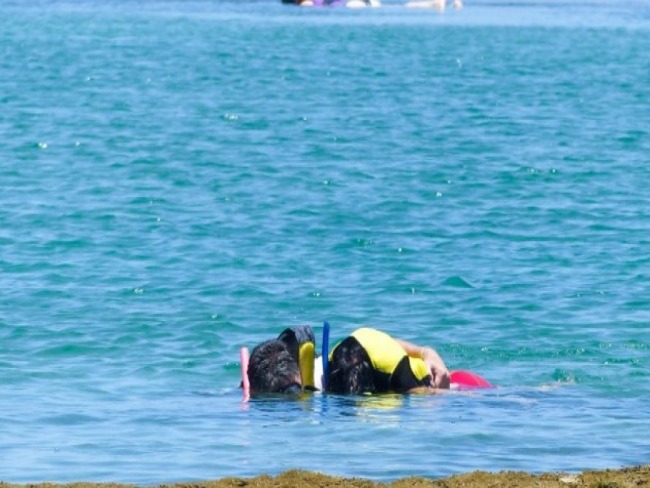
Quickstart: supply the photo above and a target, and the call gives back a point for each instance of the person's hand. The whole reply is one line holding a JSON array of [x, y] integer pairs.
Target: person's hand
[[441, 378], [439, 371]]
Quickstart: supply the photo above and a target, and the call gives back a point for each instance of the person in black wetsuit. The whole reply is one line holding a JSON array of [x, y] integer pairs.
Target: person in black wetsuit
[[371, 361]]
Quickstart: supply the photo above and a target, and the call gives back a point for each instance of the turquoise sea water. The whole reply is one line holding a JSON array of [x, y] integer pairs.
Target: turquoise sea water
[[181, 178]]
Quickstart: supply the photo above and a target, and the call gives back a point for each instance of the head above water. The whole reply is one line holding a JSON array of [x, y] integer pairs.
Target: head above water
[[350, 370], [273, 369]]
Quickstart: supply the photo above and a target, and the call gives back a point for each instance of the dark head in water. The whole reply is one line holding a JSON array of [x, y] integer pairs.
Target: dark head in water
[[350, 369], [273, 369]]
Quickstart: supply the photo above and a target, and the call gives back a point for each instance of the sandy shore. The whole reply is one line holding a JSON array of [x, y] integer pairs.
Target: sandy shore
[[620, 478]]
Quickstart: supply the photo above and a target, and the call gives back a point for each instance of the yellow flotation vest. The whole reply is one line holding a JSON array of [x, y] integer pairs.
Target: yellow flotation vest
[[385, 352]]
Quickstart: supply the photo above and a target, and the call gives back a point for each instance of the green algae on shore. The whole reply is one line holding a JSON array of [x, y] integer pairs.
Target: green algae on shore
[[638, 476]]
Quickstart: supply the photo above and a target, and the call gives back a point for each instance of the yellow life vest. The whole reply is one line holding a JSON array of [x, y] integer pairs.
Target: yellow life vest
[[385, 353], [419, 368]]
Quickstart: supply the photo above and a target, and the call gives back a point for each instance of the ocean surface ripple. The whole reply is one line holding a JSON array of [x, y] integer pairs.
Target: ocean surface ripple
[[180, 179]]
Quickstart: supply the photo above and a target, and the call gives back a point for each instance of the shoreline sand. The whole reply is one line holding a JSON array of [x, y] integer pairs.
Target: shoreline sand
[[638, 476]]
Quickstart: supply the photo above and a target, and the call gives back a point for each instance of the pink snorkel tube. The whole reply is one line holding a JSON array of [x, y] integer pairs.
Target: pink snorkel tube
[[245, 384]]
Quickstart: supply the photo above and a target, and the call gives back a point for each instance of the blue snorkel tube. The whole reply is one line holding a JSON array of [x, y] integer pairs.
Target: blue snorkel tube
[[325, 352]]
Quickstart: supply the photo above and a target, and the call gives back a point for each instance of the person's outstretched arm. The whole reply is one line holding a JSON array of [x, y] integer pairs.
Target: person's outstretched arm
[[432, 359]]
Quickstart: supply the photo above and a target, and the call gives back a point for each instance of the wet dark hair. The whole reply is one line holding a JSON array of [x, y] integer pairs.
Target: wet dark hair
[[350, 370], [272, 369]]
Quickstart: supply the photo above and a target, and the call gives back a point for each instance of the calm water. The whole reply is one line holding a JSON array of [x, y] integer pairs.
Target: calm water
[[179, 179]]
